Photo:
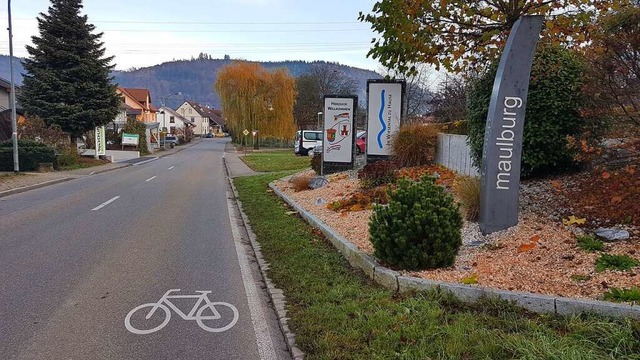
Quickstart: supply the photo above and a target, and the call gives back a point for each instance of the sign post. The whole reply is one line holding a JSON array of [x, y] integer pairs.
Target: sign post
[[339, 134], [500, 171], [101, 148], [130, 139], [385, 110]]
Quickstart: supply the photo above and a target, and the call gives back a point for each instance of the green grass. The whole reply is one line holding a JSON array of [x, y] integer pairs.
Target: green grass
[[631, 295], [589, 243], [615, 262], [276, 161], [338, 313]]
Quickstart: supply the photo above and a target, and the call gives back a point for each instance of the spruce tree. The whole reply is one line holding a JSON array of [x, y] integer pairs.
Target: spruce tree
[[68, 80]]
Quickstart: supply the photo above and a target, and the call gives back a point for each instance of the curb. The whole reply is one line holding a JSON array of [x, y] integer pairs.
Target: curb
[[467, 293], [74, 176], [276, 295], [35, 186]]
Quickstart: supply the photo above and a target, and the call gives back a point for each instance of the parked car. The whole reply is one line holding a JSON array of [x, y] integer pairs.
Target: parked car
[[170, 140], [209, 136], [361, 142], [305, 141]]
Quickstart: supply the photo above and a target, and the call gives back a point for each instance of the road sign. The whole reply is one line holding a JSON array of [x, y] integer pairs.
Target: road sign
[[245, 132]]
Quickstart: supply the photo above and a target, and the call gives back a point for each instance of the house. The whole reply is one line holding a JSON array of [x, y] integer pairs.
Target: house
[[171, 121], [138, 104], [5, 110], [206, 119]]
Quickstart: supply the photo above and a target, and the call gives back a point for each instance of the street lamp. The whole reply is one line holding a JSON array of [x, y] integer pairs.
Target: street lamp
[[319, 116], [14, 125]]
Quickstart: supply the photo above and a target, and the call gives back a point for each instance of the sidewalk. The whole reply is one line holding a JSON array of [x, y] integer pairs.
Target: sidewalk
[[235, 165], [11, 183]]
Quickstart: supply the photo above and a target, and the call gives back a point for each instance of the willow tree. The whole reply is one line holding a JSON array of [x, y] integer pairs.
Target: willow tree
[[256, 99]]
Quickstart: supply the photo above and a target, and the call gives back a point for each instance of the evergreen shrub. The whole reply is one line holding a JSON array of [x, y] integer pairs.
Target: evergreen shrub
[[415, 145], [30, 154], [420, 227], [552, 116], [378, 173]]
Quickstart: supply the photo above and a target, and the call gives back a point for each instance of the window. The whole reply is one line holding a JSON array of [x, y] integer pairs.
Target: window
[[182, 111], [193, 119], [308, 135], [189, 111], [172, 120]]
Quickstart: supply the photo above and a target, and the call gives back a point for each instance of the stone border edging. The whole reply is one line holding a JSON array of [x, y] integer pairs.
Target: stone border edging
[[393, 280], [276, 295], [22, 189]]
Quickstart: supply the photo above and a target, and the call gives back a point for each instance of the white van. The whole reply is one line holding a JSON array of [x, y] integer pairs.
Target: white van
[[306, 140]]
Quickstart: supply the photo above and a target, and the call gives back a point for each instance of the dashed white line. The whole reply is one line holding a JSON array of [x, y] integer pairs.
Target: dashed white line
[[151, 178], [171, 168], [105, 203], [91, 173]]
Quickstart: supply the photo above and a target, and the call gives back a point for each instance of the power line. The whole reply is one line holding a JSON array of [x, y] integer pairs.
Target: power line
[[209, 22]]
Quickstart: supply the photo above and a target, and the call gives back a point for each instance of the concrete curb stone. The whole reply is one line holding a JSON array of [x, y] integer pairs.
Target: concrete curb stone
[[468, 293], [34, 186], [276, 295]]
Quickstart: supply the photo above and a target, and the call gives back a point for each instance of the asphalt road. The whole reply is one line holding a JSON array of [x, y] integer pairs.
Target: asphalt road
[[77, 257]]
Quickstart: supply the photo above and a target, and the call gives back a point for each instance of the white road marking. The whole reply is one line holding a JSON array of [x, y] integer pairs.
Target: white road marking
[[266, 349], [151, 178], [105, 203], [171, 168], [145, 161], [91, 173]]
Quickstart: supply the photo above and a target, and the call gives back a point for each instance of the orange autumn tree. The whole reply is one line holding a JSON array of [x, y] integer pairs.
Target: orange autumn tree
[[254, 98]]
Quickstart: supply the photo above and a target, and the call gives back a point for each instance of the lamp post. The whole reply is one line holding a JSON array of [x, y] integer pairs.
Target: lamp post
[[319, 116], [14, 124]]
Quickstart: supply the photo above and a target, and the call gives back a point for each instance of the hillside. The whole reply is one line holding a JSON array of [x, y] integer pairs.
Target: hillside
[[195, 78]]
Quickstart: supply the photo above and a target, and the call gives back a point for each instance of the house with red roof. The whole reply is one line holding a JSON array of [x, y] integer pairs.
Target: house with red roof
[[206, 119]]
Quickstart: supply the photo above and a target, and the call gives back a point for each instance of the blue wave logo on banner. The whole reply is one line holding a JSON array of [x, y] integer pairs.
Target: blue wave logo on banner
[[384, 125]]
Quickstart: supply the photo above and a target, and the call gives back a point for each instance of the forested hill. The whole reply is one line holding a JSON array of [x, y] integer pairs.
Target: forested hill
[[195, 78]]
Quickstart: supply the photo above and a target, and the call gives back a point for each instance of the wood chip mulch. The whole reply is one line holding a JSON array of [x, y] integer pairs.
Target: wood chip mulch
[[538, 255]]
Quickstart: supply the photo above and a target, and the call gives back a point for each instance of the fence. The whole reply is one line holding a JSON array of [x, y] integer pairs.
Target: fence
[[454, 153]]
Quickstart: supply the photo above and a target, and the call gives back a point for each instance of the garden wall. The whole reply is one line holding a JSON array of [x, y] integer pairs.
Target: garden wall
[[454, 153]]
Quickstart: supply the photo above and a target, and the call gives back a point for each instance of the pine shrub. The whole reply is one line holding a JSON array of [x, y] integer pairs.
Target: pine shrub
[[420, 228], [378, 173], [415, 145]]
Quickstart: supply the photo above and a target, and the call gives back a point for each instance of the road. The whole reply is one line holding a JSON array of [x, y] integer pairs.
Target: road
[[77, 257]]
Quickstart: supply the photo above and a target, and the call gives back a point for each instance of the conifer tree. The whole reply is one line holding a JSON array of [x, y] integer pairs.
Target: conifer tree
[[68, 80]]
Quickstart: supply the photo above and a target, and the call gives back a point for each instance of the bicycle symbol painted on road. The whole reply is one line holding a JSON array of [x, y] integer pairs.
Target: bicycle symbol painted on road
[[197, 313]]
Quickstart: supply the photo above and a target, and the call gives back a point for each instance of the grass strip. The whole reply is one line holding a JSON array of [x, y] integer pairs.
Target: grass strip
[[278, 160], [338, 313]]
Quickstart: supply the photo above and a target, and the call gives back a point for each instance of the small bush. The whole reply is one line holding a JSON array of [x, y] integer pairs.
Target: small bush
[[361, 200], [615, 262], [30, 154], [468, 190], [67, 155], [420, 228], [316, 163], [300, 183], [376, 174], [589, 243], [623, 295], [415, 145]]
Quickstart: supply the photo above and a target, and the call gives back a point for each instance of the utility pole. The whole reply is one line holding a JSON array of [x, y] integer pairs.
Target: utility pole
[[14, 124]]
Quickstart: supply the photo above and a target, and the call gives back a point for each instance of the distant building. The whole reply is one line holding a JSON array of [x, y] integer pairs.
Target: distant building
[[171, 121], [206, 119], [138, 103]]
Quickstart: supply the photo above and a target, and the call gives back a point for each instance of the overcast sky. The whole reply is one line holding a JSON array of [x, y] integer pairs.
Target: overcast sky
[[145, 32]]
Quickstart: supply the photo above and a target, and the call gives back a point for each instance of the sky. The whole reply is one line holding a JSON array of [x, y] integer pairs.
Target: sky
[[143, 33]]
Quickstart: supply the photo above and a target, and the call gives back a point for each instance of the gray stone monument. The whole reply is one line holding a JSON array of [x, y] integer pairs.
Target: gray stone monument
[[500, 171]]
